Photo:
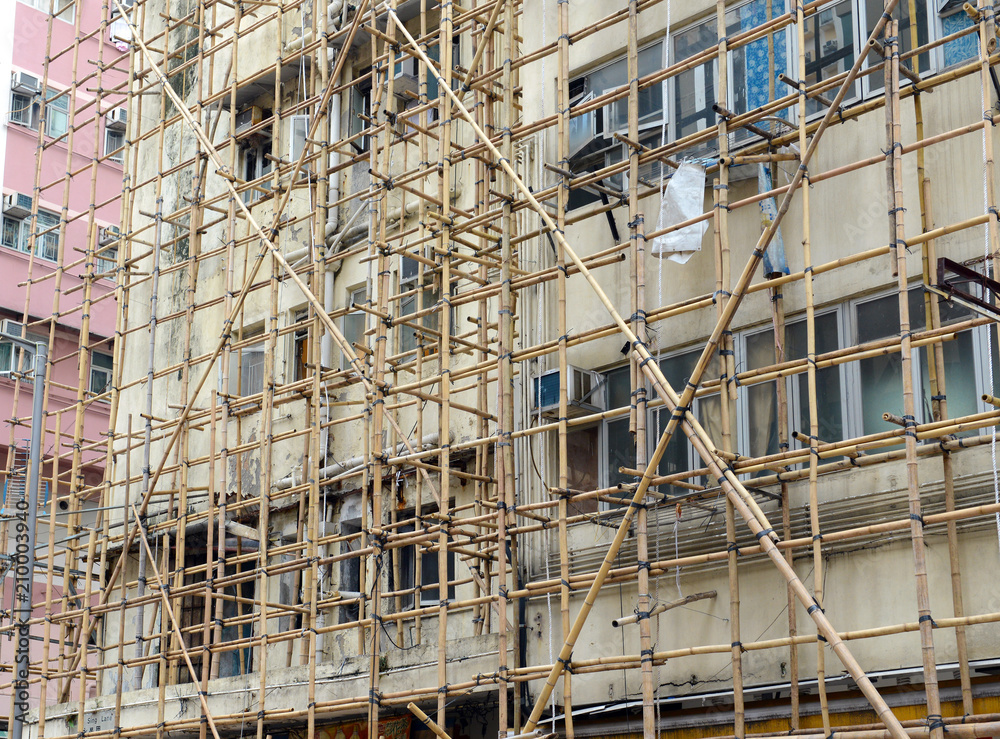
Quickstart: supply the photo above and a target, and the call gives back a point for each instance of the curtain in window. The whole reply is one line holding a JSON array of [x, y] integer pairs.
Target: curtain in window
[[752, 63], [961, 49]]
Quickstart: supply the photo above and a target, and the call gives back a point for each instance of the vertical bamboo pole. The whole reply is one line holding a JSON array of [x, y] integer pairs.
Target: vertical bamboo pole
[[895, 199], [444, 352], [638, 384], [814, 523], [563, 150], [939, 395], [504, 461]]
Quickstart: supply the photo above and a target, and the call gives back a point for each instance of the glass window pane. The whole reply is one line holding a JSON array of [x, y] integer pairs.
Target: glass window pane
[[960, 377], [829, 42], [675, 458], [902, 14], [621, 451], [619, 387], [583, 447], [961, 49], [828, 386]]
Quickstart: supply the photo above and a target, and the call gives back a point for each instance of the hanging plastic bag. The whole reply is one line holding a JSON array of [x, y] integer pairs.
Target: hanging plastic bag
[[683, 200]]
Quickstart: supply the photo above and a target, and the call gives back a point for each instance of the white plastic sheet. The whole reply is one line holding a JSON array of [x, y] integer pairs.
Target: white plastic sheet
[[683, 200]]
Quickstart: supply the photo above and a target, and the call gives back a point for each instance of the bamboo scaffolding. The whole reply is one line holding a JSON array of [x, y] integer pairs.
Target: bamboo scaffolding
[[320, 484]]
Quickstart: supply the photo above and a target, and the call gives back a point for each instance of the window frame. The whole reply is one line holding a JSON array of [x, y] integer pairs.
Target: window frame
[[43, 6], [601, 144], [260, 146], [359, 108], [106, 371], [46, 243], [114, 153], [353, 293], [10, 361], [740, 137], [27, 103]]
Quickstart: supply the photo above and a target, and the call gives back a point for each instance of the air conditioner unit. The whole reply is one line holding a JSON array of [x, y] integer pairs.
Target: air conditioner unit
[[406, 80], [248, 118], [25, 83], [127, 4], [584, 392], [17, 205], [108, 235], [116, 119], [11, 327]]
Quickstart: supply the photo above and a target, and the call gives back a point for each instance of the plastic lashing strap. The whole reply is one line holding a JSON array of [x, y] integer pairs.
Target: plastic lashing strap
[[813, 608], [764, 532], [646, 655], [918, 517], [935, 721], [732, 546], [644, 565], [642, 615], [927, 617]]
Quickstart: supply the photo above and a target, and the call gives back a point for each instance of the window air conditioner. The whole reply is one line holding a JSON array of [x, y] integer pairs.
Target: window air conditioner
[[25, 83], [248, 118], [584, 393], [11, 327], [127, 4], [108, 235], [17, 205], [406, 79], [116, 119]]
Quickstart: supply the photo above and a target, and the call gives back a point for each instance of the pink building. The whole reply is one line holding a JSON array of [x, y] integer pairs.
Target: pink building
[[83, 135]]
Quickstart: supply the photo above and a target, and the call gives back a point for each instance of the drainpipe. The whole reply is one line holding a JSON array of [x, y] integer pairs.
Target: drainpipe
[[349, 465]]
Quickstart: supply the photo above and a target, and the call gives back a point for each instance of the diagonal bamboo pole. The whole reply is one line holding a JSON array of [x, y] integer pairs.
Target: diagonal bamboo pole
[[169, 611], [734, 489]]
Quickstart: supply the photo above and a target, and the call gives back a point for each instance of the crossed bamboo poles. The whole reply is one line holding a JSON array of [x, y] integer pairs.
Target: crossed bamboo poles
[[680, 413], [679, 404]]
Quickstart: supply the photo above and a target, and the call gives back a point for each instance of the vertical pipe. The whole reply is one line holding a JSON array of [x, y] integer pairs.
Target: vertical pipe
[[24, 548]]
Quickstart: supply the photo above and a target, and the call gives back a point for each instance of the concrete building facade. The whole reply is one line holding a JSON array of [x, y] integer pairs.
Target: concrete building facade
[[575, 368]]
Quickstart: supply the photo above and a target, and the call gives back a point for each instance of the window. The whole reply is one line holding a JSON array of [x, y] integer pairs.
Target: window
[[24, 110], [679, 455], [100, 372], [17, 234], [873, 11], [114, 143], [300, 347], [298, 129], [829, 40], [694, 90], [15, 359], [954, 19], [246, 369], [757, 405], [419, 566], [256, 164], [620, 444], [591, 135], [350, 571], [360, 114], [56, 113], [353, 324], [881, 377], [63, 9], [427, 295]]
